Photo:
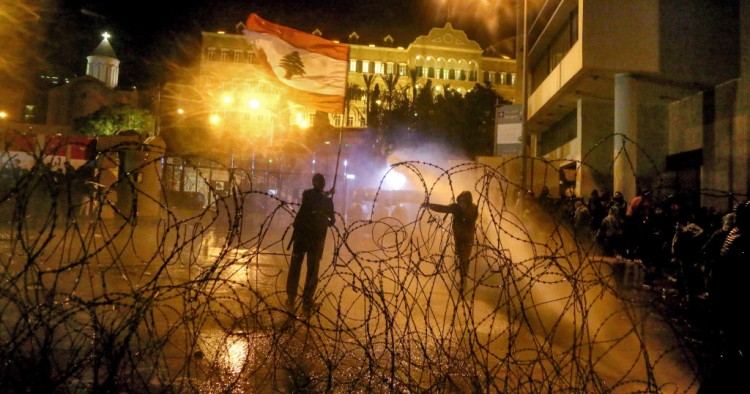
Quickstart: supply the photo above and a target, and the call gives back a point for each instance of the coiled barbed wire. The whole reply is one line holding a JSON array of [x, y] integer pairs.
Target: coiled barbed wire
[[193, 300]]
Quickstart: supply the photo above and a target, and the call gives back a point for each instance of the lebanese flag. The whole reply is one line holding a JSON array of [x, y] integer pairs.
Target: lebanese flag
[[312, 69]]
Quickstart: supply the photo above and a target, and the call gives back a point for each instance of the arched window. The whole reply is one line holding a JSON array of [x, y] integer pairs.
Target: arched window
[[473, 71]]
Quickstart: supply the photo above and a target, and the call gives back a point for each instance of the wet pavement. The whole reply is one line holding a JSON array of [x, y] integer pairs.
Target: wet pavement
[[199, 307]]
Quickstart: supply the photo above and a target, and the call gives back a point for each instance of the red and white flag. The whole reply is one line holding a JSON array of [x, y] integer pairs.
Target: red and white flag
[[312, 68]]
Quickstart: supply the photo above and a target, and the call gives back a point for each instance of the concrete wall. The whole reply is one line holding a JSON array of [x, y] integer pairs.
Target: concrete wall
[[622, 36], [715, 122], [694, 46], [653, 137], [595, 128]]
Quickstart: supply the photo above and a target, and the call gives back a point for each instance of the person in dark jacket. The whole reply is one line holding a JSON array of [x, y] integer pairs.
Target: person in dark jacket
[[308, 239], [728, 296], [465, 215]]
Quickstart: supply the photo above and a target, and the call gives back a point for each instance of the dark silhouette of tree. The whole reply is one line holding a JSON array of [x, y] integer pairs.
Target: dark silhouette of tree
[[352, 93], [466, 122], [479, 118], [368, 79], [413, 78], [424, 109], [391, 81], [292, 64], [373, 117]]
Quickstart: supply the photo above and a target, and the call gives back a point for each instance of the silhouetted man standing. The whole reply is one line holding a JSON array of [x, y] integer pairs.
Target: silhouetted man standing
[[465, 215], [310, 227]]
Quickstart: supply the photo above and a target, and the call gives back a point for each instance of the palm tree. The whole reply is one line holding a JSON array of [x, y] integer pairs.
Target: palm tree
[[391, 81], [368, 78], [353, 92], [413, 77]]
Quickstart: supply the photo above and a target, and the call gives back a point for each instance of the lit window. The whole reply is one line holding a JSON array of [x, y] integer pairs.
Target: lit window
[[492, 77], [237, 56], [389, 68], [211, 55], [503, 78], [402, 69], [365, 67], [353, 65], [513, 79], [224, 55], [378, 68], [251, 57]]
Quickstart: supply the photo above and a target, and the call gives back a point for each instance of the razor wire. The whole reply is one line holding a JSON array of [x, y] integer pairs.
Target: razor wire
[[193, 300]]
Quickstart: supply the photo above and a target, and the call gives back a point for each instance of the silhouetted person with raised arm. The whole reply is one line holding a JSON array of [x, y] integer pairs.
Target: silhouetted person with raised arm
[[308, 239], [465, 215]]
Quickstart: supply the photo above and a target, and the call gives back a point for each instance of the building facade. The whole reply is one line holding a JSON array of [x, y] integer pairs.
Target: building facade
[[230, 87], [638, 94]]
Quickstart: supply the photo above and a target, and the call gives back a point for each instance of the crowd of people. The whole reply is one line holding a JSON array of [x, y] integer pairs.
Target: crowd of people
[[676, 240], [701, 252]]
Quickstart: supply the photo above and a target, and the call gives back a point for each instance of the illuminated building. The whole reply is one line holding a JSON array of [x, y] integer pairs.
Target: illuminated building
[[445, 56], [85, 95], [665, 74]]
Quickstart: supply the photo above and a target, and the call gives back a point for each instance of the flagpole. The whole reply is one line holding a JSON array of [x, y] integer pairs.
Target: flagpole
[[338, 159], [344, 111]]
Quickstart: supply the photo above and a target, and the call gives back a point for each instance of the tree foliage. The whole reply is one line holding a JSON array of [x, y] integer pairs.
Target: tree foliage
[[112, 119], [463, 121]]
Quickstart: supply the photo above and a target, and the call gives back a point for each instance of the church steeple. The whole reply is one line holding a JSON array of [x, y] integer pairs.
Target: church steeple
[[103, 63]]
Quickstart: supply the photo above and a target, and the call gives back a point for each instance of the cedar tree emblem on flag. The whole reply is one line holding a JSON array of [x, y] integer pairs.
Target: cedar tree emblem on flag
[[311, 69]]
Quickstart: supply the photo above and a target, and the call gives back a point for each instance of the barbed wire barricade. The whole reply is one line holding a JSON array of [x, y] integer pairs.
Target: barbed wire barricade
[[104, 298]]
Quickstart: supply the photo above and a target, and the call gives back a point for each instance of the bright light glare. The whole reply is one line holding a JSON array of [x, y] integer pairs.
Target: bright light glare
[[350, 176], [236, 354], [227, 99], [214, 119], [254, 104], [3, 114], [394, 181], [180, 111]]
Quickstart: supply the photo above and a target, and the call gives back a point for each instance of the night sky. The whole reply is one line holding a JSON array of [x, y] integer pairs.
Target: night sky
[[151, 42]]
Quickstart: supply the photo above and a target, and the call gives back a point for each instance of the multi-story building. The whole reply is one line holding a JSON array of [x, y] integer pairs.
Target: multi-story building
[[646, 93], [230, 89]]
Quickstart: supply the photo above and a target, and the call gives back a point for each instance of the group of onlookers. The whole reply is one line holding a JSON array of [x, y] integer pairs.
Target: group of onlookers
[[702, 252]]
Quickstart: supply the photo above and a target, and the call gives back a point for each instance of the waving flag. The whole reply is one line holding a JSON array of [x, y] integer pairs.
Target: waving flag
[[312, 69]]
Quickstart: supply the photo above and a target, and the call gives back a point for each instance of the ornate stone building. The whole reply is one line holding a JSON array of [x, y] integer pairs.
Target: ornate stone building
[[229, 85]]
